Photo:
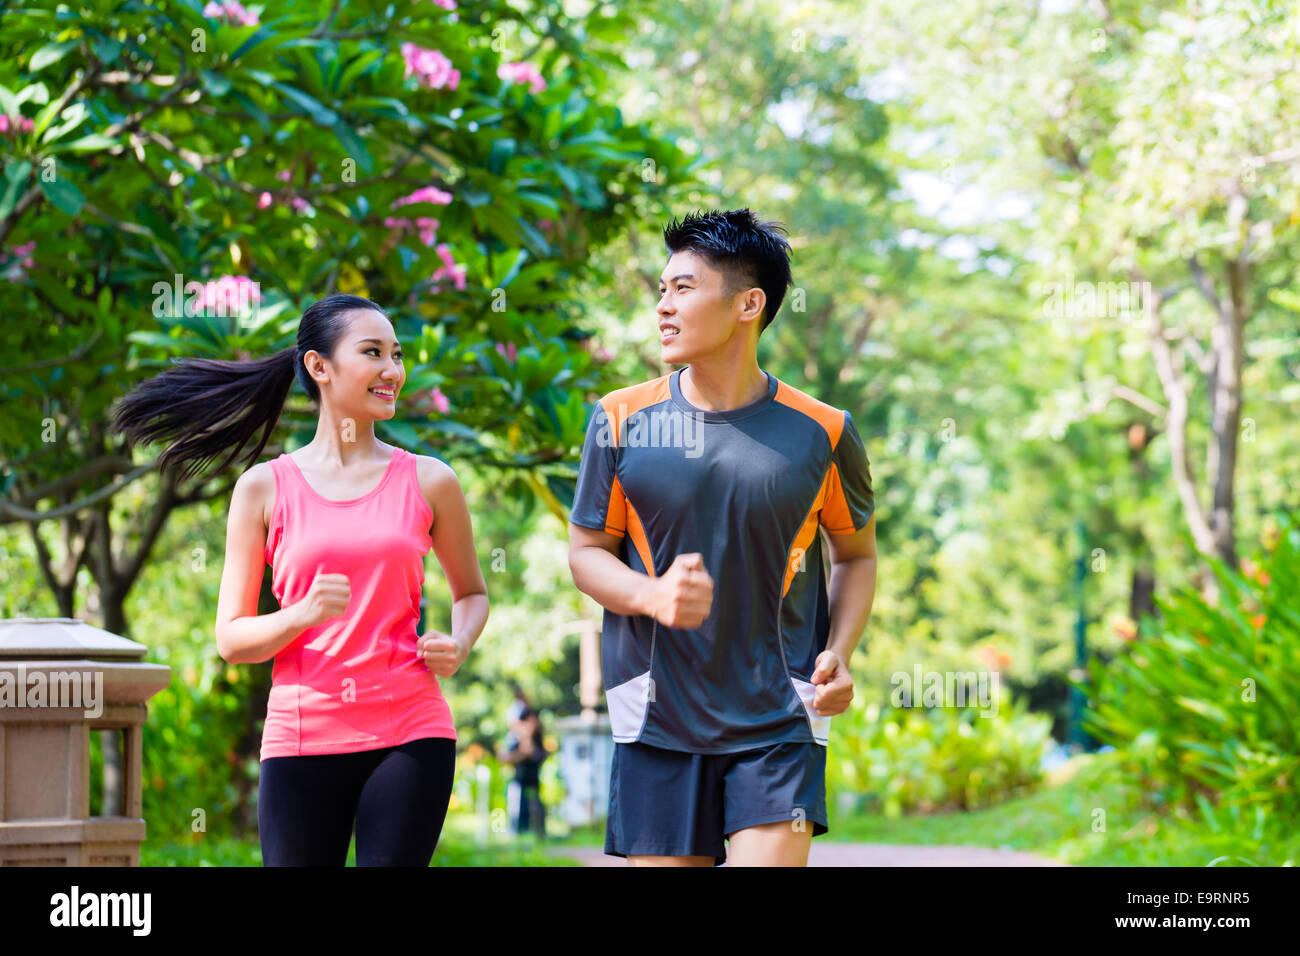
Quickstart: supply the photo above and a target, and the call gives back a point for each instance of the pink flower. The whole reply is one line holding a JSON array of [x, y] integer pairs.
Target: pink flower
[[16, 124], [232, 11], [440, 401], [507, 350], [299, 204], [446, 4], [424, 225], [449, 270], [427, 229], [230, 293], [14, 266], [425, 194], [284, 175], [263, 200], [522, 73], [604, 354], [432, 67]]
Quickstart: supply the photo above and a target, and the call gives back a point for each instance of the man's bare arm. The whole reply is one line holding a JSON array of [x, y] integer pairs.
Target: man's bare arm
[[681, 597], [852, 587], [600, 573]]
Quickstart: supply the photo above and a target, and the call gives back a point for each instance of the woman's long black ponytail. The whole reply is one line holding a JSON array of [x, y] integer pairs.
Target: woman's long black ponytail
[[213, 404]]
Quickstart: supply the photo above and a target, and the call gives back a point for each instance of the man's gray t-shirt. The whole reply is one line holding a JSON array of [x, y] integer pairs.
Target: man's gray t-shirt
[[747, 488]]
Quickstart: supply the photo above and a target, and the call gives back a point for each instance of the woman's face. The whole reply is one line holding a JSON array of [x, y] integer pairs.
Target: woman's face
[[367, 358]]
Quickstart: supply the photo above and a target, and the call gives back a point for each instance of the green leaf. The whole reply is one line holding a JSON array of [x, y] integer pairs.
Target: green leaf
[[215, 83], [63, 194], [353, 145], [87, 142], [380, 105], [595, 136], [403, 433], [58, 293], [8, 102], [534, 237], [320, 114], [452, 427], [354, 70], [16, 174], [106, 48], [38, 93], [540, 199], [255, 111], [50, 53], [502, 150], [552, 123], [262, 33], [159, 339], [311, 75], [306, 41], [568, 177], [513, 270]]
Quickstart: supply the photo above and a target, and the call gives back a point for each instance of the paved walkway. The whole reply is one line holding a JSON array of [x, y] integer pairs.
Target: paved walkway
[[865, 854]]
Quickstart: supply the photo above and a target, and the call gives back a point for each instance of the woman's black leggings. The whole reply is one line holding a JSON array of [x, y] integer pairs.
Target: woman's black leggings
[[397, 797]]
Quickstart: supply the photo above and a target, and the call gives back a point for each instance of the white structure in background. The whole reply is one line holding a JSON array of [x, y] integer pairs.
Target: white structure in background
[[586, 741], [586, 756]]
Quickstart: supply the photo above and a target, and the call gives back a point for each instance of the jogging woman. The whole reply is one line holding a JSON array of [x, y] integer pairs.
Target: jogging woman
[[357, 730]]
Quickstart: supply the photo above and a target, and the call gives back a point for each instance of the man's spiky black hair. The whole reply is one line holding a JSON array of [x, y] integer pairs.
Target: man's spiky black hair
[[747, 251]]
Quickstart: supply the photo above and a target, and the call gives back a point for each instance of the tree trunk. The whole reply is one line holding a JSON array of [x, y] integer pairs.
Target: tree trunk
[[1225, 402], [1141, 602], [1213, 529], [1143, 585]]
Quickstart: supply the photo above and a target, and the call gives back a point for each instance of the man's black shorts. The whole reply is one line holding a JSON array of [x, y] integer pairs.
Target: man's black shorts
[[669, 803]]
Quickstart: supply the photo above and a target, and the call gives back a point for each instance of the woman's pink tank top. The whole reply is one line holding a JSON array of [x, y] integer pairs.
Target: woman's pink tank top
[[355, 682]]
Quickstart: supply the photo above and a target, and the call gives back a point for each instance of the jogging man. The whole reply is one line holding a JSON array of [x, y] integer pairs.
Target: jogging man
[[695, 525]]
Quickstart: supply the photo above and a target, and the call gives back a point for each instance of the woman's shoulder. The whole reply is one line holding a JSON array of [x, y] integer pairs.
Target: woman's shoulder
[[433, 471], [437, 479], [260, 483]]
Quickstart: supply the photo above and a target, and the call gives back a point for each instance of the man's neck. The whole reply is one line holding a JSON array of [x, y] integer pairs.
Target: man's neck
[[722, 386]]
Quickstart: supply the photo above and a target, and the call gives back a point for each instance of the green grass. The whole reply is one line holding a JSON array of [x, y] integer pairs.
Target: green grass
[[1058, 822], [458, 846], [579, 836]]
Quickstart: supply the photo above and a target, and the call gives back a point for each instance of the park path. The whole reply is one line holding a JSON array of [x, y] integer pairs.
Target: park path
[[865, 854]]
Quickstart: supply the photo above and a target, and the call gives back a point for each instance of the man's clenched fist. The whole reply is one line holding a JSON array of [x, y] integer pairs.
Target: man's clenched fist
[[683, 595]]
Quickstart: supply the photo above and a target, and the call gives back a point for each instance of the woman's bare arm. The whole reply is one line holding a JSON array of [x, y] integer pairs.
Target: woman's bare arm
[[244, 636], [453, 545]]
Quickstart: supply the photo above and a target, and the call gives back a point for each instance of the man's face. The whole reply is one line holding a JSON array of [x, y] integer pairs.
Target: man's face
[[367, 357], [695, 318]]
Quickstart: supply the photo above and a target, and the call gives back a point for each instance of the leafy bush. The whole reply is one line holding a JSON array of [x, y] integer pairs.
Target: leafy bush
[[899, 760], [196, 747], [1205, 698]]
